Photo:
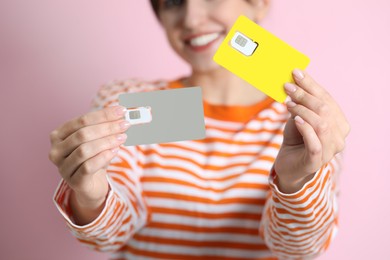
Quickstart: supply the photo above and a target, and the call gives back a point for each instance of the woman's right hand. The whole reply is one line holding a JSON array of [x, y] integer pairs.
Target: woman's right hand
[[83, 147]]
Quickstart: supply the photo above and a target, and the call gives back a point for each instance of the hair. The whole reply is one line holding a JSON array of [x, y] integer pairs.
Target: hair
[[155, 6]]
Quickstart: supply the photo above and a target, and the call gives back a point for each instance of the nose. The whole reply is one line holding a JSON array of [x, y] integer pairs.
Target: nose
[[195, 13]]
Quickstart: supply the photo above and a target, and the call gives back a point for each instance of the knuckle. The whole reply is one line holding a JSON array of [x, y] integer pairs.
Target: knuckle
[[83, 120], [315, 151], [62, 170], [322, 128], [340, 145], [82, 135], [299, 95], [53, 155], [106, 114], [323, 109], [53, 136], [112, 141], [83, 151], [83, 169], [113, 128]]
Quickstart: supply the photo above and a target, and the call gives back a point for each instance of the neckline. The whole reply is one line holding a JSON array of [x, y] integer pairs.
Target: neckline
[[235, 113]]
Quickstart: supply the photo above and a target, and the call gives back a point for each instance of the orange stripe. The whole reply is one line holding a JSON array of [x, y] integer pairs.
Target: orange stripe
[[226, 178], [193, 243], [236, 142], [122, 174], [258, 157], [292, 230], [288, 198], [291, 242], [206, 154], [109, 205], [120, 182], [202, 166], [247, 131], [284, 211], [310, 195], [300, 252], [117, 212], [206, 215], [239, 185], [166, 195], [172, 256], [158, 166], [259, 119], [208, 230]]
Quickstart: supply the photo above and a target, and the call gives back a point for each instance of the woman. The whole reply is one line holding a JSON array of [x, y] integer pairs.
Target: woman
[[261, 185]]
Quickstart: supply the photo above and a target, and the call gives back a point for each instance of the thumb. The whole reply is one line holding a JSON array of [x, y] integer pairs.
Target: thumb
[[291, 135]]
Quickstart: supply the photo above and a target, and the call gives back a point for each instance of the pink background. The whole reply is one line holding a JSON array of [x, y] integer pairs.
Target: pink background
[[55, 54]]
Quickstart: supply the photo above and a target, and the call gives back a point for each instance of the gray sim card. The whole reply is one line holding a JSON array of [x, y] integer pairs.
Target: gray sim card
[[164, 115]]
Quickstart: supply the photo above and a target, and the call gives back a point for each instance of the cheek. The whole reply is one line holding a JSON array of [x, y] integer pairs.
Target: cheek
[[174, 40]]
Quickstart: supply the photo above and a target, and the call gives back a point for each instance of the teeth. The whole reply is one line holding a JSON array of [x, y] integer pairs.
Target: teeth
[[204, 39]]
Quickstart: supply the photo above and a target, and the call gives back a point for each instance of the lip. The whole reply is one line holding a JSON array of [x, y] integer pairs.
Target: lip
[[188, 38], [191, 36]]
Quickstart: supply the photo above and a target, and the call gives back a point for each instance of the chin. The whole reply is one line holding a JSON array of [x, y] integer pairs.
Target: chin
[[205, 68]]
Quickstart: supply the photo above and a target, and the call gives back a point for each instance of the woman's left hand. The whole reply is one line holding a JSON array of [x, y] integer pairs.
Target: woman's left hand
[[314, 134]]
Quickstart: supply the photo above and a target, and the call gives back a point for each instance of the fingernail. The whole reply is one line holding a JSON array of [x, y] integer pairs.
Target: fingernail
[[299, 120], [124, 125], [288, 99], [290, 88], [298, 74], [120, 111], [291, 104], [121, 137]]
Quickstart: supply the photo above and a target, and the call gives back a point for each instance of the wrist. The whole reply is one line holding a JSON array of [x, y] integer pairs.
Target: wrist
[[85, 210], [291, 185]]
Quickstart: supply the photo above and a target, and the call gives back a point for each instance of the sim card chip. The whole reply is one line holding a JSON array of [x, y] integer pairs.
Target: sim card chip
[[135, 114]]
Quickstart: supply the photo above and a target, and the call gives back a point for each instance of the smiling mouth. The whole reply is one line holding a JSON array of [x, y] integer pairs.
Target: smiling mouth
[[202, 40]]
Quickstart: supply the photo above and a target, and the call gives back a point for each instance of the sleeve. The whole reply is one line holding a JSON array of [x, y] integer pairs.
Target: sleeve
[[302, 225], [125, 210]]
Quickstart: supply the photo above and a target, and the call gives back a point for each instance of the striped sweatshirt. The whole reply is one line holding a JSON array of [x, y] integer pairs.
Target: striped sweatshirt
[[214, 198]]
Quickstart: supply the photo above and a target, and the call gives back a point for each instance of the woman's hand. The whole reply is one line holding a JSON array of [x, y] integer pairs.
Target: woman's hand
[[81, 150], [314, 134]]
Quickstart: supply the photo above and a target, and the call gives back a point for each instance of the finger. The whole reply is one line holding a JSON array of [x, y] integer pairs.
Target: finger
[[90, 133], [300, 96], [92, 118], [306, 82], [313, 147], [315, 104], [82, 177], [88, 150], [315, 121]]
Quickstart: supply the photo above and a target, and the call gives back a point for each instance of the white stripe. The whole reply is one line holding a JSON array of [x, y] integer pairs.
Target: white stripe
[[214, 184], [246, 137], [308, 190], [202, 173], [260, 125], [196, 236], [206, 194], [204, 207], [128, 255], [312, 226], [220, 147], [322, 199], [196, 251], [235, 157], [203, 222], [229, 125]]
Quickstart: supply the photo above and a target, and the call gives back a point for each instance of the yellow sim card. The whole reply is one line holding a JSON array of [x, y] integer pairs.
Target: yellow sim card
[[259, 57]]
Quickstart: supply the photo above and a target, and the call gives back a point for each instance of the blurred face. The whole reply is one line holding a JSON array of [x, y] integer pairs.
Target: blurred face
[[195, 28]]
